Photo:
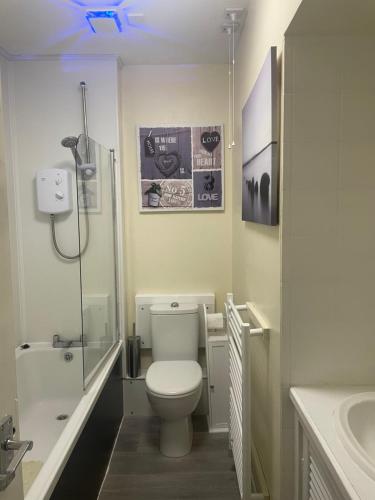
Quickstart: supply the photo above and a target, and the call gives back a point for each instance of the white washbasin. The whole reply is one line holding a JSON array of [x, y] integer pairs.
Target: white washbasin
[[355, 423]]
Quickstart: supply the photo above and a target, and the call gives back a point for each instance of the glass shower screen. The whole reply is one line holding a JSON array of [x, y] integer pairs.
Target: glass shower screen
[[97, 225]]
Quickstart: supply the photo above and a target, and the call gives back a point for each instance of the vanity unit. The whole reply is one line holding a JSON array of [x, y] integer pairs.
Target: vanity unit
[[334, 443]]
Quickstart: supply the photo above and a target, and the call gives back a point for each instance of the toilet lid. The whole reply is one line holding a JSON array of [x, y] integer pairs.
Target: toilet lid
[[173, 378]]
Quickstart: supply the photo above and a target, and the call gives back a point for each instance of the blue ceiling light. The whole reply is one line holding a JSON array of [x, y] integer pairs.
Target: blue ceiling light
[[95, 18], [92, 4]]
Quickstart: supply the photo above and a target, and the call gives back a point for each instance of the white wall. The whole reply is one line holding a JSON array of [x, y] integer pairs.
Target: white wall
[[174, 252], [45, 107]]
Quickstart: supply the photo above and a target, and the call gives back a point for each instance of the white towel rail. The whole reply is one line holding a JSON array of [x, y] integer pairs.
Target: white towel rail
[[239, 334]]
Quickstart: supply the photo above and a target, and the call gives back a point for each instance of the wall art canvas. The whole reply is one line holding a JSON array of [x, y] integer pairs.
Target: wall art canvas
[[181, 168], [260, 169]]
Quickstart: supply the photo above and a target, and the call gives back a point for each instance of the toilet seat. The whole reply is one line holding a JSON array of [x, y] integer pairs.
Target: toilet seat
[[173, 378]]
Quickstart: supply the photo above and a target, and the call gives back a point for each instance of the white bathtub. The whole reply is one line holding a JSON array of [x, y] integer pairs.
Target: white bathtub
[[49, 386]]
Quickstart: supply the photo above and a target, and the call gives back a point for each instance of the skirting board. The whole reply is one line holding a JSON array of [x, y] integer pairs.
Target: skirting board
[[217, 430], [259, 480]]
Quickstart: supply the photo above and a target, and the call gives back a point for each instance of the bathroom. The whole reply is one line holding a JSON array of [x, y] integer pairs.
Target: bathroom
[[268, 372]]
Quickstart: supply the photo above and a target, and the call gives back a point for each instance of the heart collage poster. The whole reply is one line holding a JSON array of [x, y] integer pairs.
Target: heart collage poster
[[181, 168]]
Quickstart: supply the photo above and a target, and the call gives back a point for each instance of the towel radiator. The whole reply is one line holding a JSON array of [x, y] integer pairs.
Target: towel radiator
[[240, 334]]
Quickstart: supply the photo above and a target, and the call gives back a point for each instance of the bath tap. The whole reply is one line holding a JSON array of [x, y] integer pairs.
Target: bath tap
[[57, 342]]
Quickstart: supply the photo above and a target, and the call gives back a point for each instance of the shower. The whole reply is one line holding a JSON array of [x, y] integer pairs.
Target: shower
[[86, 169], [71, 142], [54, 186]]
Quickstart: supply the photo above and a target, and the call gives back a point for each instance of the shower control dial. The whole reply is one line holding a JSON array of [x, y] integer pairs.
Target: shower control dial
[[58, 181], [59, 195]]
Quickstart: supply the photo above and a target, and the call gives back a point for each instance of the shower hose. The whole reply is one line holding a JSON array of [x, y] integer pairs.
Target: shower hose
[[56, 245]]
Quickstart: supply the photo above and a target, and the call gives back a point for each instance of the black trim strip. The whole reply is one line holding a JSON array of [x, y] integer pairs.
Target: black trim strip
[[259, 153]]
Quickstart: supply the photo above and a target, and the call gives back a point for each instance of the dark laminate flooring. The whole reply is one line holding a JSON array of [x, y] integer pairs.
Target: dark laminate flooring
[[139, 472]]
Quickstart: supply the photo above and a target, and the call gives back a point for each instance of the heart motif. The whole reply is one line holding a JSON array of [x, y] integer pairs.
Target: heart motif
[[168, 163], [210, 140]]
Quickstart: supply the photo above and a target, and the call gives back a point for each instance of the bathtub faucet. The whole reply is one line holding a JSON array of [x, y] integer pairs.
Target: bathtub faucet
[[58, 342]]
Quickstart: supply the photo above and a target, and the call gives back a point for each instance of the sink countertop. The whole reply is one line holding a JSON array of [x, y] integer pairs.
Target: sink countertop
[[316, 407]]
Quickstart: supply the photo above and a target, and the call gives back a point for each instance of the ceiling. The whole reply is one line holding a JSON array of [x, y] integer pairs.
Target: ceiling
[[171, 32]]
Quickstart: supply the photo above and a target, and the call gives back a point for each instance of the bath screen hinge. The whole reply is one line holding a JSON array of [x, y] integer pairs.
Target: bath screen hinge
[[11, 452]]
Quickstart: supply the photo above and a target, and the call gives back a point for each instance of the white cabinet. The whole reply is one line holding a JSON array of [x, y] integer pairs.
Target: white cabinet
[[313, 478], [218, 382]]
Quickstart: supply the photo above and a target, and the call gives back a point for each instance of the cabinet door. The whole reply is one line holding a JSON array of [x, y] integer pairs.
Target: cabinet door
[[313, 479], [218, 384]]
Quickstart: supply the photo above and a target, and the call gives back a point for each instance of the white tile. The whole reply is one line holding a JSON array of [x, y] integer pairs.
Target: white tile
[[356, 227], [287, 409], [357, 63], [288, 105], [288, 64], [287, 464], [328, 237], [313, 164], [316, 116], [313, 212], [316, 64], [285, 338], [312, 259], [358, 118], [356, 165], [286, 165], [333, 334], [312, 321]]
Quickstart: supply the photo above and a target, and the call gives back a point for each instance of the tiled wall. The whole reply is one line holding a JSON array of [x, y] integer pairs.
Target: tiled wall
[[48, 288], [328, 234], [328, 206]]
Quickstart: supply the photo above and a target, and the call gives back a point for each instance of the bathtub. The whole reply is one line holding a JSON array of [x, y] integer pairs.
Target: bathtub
[[53, 409]]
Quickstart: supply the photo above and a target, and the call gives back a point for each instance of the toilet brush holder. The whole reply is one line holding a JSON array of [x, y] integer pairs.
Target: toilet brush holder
[[133, 355]]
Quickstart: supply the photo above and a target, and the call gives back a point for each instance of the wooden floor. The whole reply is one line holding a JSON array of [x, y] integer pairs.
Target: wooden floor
[[139, 472]]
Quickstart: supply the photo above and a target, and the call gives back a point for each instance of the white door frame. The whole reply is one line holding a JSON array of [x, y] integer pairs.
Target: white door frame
[[8, 382]]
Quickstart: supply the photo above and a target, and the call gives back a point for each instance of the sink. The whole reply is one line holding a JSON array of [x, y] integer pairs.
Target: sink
[[355, 423]]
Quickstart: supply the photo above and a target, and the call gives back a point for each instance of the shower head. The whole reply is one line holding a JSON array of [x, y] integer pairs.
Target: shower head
[[71, 142]]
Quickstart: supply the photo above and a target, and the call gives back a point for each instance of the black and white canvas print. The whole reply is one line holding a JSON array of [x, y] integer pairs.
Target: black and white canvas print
[[260, 148]]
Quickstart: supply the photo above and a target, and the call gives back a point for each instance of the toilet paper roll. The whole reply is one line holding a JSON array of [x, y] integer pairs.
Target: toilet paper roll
[[215, 321]]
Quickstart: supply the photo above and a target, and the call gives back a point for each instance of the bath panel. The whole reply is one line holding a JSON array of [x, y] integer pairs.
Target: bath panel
[[86, 467]]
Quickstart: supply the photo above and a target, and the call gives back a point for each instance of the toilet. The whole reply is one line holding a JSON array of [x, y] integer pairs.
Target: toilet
[[174, 379]]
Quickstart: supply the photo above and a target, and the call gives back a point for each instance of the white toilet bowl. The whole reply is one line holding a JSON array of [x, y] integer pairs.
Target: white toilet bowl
[[174, 389]]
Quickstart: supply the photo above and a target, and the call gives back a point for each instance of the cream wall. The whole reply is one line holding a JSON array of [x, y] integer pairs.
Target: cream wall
[[256, 248], [174, 252]]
